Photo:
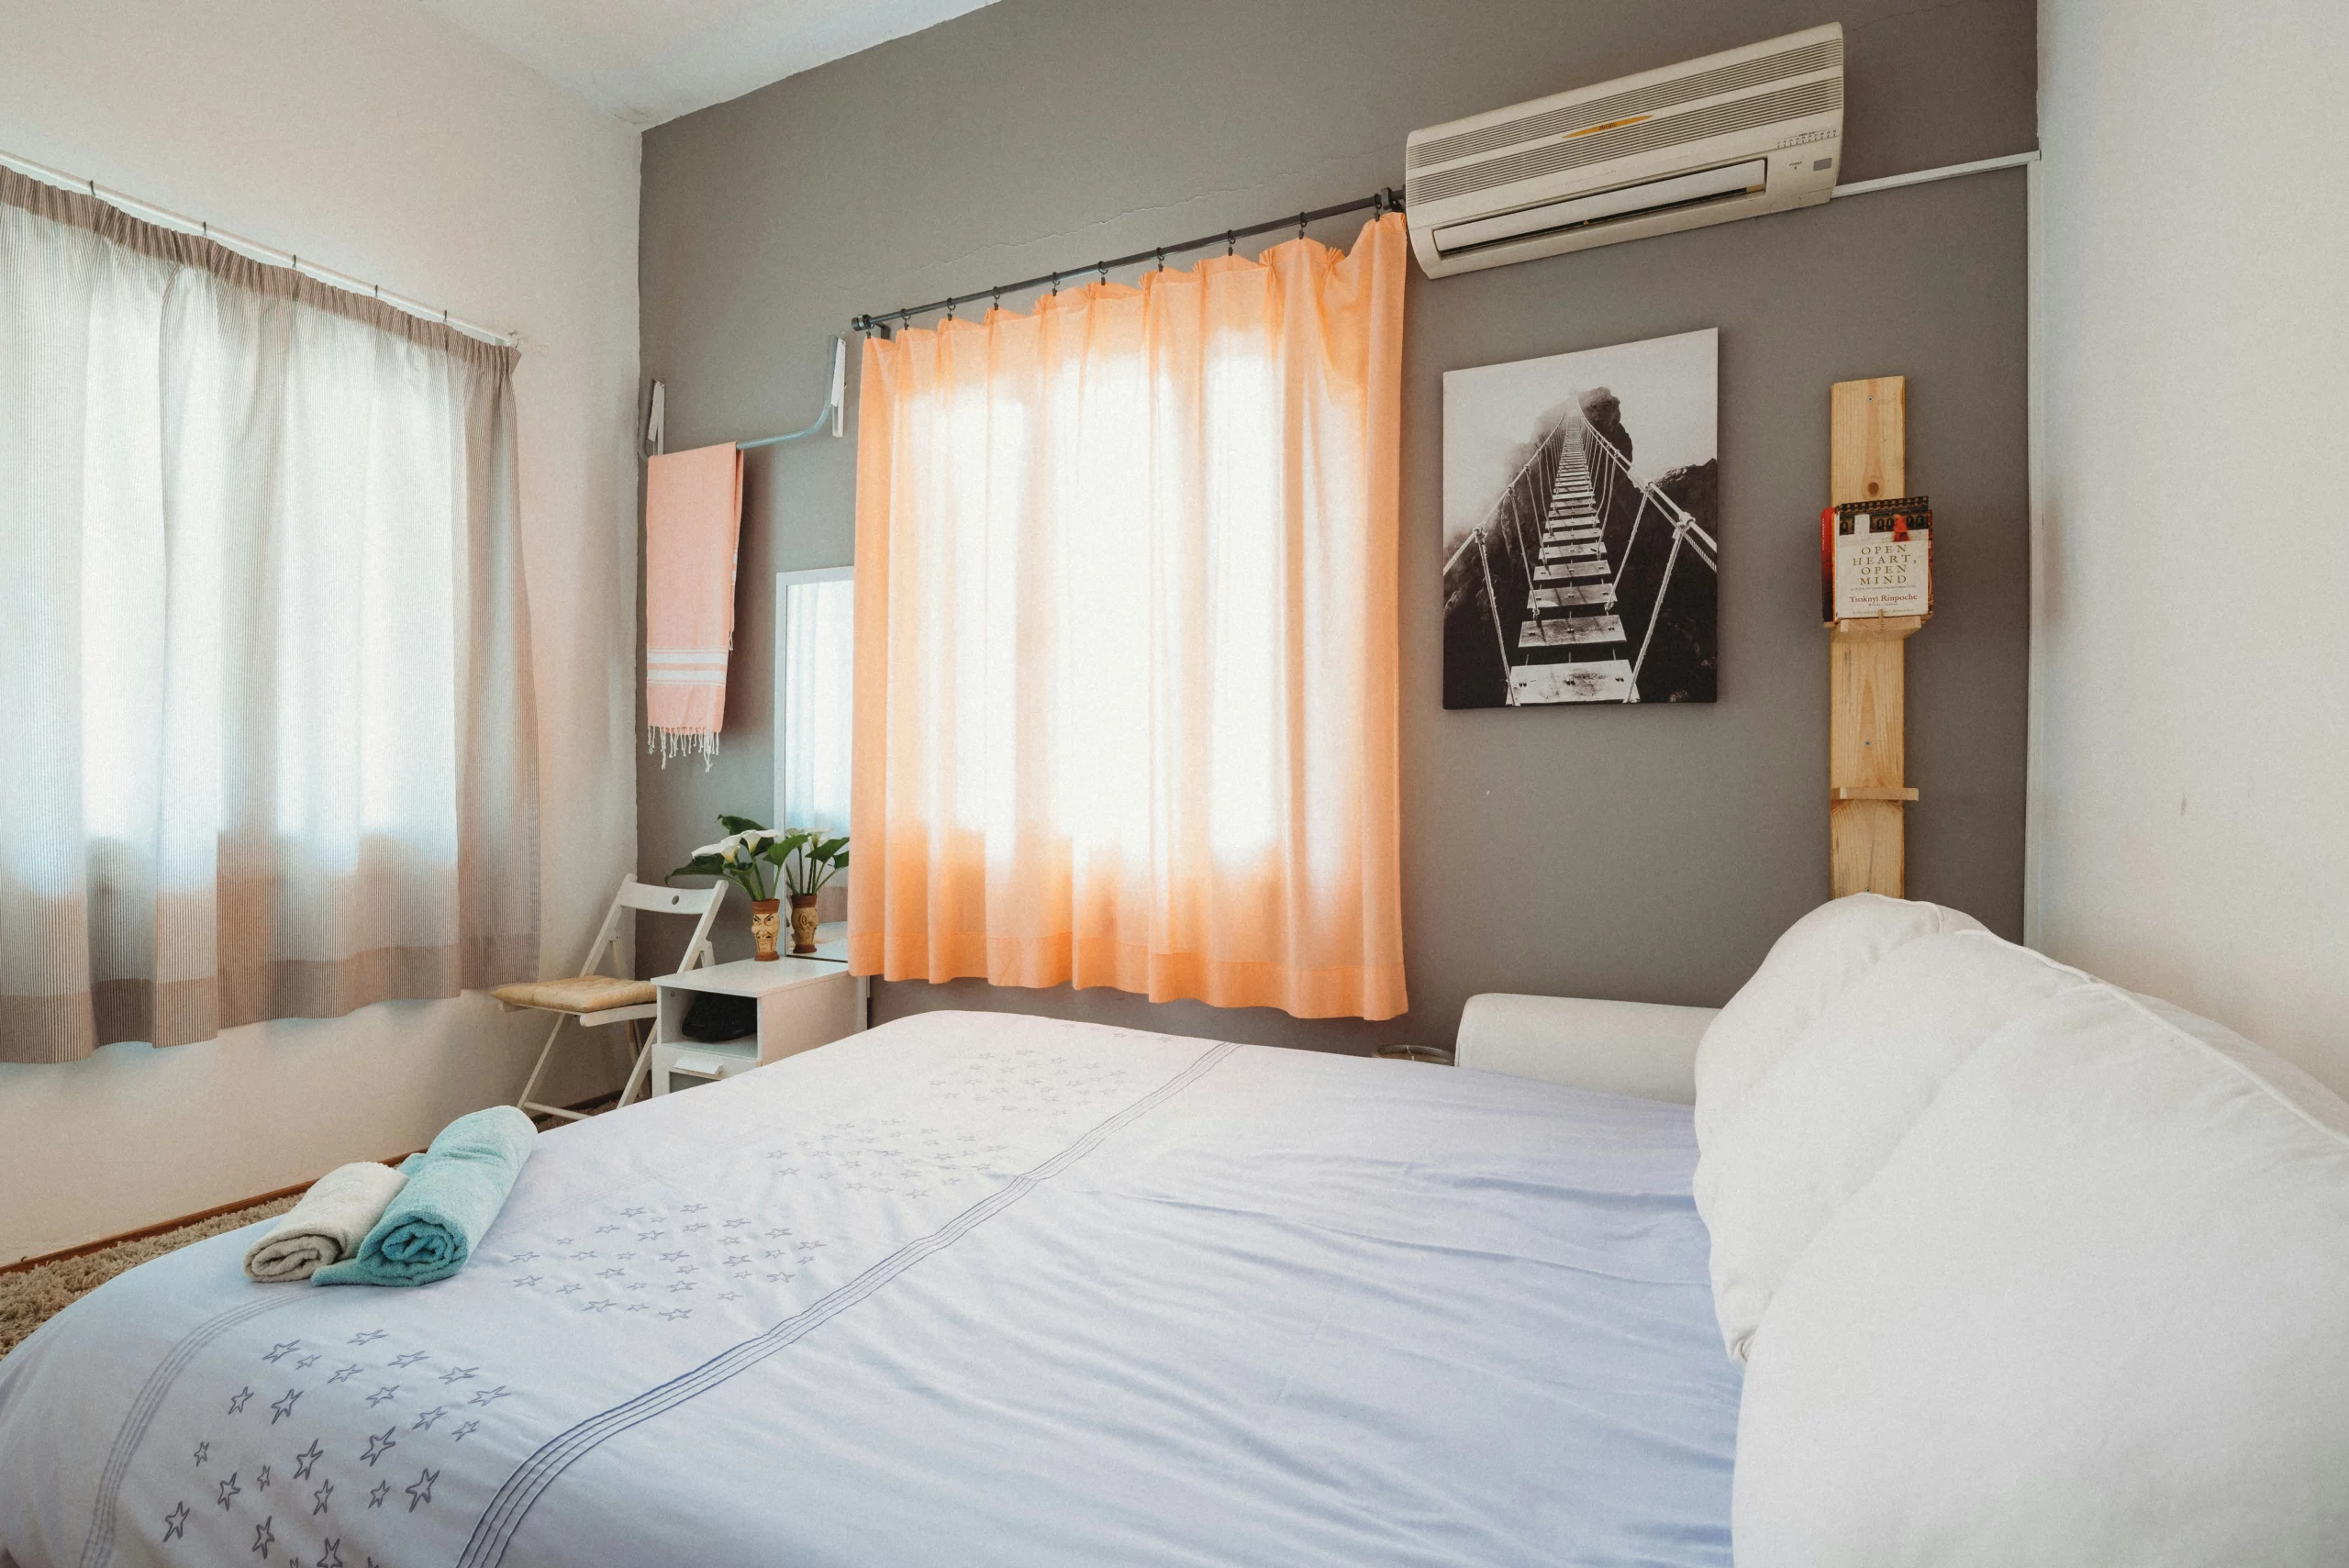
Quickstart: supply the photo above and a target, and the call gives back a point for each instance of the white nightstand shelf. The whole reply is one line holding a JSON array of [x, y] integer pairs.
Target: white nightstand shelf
[[694, 1062], [803, 1002]]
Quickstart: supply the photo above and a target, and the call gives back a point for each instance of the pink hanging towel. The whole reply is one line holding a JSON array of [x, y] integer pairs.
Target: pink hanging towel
[[692, 520]]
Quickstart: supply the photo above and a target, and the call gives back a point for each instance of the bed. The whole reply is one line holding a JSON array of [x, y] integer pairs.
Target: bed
[[968, 1289]]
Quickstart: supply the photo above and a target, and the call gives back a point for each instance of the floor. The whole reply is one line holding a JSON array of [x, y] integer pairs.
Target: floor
[[32, 1297]]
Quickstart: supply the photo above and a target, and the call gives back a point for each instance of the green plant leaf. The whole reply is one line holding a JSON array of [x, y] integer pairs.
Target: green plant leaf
[[739, 824]]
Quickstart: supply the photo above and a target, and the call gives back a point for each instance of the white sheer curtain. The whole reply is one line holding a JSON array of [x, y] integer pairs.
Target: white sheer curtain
[[262, 643]]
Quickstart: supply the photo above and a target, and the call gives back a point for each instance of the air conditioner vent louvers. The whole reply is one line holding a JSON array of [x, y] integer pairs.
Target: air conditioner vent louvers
[[1735, 135], [1823, 56], [1744, 114]]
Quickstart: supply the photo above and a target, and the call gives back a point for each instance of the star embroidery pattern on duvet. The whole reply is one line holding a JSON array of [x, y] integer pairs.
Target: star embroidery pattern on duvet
[[369, 1420], [316, 1435], [722, 1248]]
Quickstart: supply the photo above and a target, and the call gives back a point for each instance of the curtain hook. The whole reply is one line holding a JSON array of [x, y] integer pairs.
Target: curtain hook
[[1300, 225], [1231, 241], [1161, 257], [1056, 285], [950, 307], [1104, 266], [998, 299], [905, 320]]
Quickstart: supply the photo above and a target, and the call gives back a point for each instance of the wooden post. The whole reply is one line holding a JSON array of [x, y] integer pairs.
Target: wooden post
[[1866, 671]]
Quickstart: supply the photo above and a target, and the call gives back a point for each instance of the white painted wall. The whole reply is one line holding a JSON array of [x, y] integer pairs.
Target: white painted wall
[[388, 144], [2191, 756]]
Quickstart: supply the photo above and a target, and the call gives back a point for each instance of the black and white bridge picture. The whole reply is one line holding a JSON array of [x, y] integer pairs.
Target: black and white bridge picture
[[1581, 527]]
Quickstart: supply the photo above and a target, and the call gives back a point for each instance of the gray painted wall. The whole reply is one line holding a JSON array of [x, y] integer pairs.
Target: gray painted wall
[[1650, 853]]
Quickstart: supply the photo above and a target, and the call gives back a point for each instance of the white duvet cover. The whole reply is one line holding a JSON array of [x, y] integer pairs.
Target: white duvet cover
[[970, 1289]]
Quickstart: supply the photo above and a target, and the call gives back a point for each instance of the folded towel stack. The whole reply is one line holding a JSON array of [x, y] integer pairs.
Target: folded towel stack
[[327, 1225], [454, 1190]]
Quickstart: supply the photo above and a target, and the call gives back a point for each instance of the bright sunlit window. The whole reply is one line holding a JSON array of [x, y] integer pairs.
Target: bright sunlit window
[[814, 655]]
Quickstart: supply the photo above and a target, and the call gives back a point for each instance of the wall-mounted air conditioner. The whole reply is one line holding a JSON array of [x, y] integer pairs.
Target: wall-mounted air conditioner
[[1755, 130]]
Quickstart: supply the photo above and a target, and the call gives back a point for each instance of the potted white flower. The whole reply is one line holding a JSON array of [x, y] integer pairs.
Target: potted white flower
[[762, 862]]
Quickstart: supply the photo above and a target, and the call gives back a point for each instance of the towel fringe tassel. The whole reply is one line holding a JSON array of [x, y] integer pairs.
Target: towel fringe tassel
[[682, 742]]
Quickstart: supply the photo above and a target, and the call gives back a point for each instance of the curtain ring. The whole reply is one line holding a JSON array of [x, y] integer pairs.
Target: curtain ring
[[950, 307], [1230, 242], [1104, 266], [905, 321], [998, 299], [1161, 257], [1056, 285], [1300, 225]]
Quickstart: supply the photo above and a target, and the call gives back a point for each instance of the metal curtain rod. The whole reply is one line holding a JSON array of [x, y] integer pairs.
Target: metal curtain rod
[[163, 218], [1381, 202]]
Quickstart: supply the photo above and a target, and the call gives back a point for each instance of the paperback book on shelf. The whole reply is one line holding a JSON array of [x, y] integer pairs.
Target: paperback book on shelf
[[1875, 558]]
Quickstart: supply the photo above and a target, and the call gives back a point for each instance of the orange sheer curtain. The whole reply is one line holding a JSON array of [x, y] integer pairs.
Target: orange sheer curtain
[[1126, 622]]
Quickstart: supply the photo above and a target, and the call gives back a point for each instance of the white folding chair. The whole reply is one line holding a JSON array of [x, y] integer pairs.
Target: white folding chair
[[595, 999]]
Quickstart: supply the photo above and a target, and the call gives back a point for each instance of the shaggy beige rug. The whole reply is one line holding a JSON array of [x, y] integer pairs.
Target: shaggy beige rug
[[32, 1297]]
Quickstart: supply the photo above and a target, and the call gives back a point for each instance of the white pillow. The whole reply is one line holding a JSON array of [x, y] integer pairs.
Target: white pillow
[[2093, 1309], [1814, 958], [1812, 1132]]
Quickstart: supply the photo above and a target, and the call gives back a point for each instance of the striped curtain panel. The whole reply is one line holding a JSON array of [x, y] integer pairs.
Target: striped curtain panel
[[1126, 639], [264, 643]]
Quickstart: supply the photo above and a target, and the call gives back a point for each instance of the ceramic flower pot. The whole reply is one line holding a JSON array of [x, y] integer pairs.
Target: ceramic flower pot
[[803, 922], [766, 922]]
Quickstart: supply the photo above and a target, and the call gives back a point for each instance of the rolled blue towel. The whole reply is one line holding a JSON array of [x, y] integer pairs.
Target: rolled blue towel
[[454, 1190]]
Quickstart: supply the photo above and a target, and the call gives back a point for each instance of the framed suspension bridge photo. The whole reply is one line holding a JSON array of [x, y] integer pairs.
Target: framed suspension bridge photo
[[1581, 527]]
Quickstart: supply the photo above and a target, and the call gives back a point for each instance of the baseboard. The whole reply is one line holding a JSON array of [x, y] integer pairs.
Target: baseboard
[[100, 1245], [86, 1248]]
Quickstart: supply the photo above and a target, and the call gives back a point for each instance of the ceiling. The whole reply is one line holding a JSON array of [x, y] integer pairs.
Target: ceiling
[[648, 63]]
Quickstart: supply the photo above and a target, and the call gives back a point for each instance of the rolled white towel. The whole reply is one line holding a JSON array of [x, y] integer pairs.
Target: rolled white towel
[[327, 1225]]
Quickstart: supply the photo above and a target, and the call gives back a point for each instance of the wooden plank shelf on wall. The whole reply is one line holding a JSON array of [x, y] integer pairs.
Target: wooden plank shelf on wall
[[1866, 664]]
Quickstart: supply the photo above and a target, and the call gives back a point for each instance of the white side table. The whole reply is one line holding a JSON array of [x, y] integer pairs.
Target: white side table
[[803, 1002]]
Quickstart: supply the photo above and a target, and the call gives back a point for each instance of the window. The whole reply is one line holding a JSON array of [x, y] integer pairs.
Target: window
[[815, 667]]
